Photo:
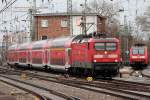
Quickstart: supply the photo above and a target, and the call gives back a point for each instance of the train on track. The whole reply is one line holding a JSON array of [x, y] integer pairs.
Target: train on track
[[139, 56], [83, 54]]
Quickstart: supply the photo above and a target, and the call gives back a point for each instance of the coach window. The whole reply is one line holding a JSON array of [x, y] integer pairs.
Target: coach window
[[64, 23], [44, 23]]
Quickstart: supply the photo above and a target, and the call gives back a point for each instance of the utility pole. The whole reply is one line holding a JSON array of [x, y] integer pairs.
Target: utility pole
[[32, 11], [136, 8], [69, 11], [83, 25], [84, 18]]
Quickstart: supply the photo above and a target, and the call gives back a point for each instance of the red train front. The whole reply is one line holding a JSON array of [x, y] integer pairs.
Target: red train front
[[106, 55], [97, 55], [138, 56]]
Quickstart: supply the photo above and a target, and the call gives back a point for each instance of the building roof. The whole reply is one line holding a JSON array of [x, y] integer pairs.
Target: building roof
[[67, 14]]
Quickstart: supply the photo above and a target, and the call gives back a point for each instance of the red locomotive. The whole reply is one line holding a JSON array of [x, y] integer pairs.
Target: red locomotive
[[78, 54], [139, 56]]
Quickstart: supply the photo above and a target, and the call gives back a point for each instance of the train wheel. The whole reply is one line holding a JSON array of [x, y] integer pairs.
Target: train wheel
[[45, 68], [29, 66], [16, 65], [93, 73], [106, 74], [116, 71], [72, 70], [69, 71], [87, 73]]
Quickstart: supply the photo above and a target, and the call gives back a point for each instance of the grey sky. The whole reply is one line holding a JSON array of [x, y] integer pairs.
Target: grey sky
[[60, 6]]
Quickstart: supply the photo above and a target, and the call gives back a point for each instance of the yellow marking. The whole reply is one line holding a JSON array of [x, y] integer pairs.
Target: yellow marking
[[36, 98], [23, 76], [89, 79]]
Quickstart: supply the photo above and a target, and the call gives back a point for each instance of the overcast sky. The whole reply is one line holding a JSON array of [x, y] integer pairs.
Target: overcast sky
[[130, 7]]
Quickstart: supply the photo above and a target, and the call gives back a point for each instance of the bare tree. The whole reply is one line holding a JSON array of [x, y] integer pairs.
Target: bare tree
[[144, 21], [105, 9], [102, 8]]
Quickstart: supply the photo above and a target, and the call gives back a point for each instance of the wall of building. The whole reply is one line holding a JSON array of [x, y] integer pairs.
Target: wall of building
[[53, 28]]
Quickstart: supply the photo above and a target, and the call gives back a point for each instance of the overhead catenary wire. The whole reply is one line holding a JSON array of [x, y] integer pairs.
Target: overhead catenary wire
[[14, 18], [7, 6]]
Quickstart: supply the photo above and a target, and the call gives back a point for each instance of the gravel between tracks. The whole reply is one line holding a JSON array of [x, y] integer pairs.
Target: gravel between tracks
[[68, 90], [71, 91], [15, 92]]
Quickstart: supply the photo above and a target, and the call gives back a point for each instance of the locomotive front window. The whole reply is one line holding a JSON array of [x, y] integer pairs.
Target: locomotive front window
[[110, 46], [105, 46], [138, 51], [141, 51], [135, 51], [99, 46]]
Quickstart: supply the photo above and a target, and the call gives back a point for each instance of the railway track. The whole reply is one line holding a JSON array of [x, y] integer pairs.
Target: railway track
[[41, 92], [146, 73], [125, 89]]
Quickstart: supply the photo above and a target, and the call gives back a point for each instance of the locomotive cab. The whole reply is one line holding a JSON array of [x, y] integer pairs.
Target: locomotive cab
[[138, 56], [106, 55], [99, 55]]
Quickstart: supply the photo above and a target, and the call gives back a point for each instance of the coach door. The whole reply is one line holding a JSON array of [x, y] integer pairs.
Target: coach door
[[67, 57], [45, 56], [29, 56]]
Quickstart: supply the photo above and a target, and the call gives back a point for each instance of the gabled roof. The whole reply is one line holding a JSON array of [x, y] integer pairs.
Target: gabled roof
[[68, 14]]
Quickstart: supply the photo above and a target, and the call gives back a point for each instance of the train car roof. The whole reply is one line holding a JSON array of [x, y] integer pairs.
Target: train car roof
[[13, 47], [39, 44], [61, 41], [24, 46], [105, 39]]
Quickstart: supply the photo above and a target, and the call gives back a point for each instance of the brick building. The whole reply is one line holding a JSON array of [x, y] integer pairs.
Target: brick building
[[54, 25]]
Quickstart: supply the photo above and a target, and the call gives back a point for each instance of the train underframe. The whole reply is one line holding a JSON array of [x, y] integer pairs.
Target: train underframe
[[97, 69], [138, 64], [92, 69], [106, 69]]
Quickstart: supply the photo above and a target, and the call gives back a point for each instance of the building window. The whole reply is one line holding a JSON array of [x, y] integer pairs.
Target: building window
[[64, 23], [44, 23], [44, 37]]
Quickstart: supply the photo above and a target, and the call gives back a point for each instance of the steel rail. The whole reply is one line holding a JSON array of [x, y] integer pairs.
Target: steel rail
[[94, 86], [60, 95]]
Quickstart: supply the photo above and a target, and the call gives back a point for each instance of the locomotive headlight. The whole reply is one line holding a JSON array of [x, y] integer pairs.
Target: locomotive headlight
[[134, 57], [116, 60], [142, 56], [94, 60], [113, 56]]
